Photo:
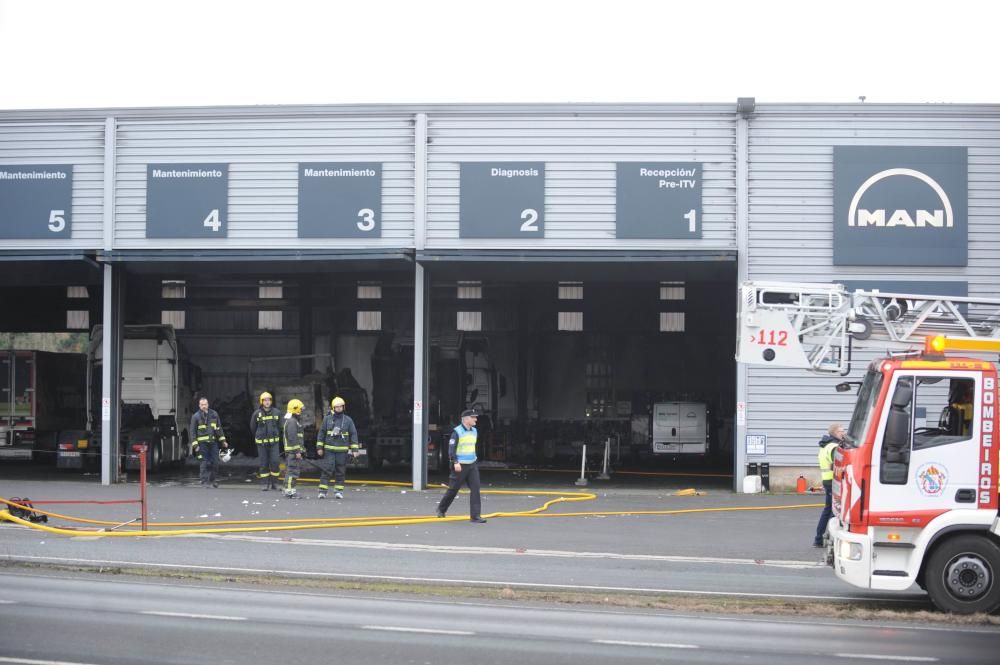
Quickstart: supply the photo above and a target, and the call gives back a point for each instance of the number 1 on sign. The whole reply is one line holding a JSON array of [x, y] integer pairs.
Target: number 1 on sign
[[212, 221], [692, 218]]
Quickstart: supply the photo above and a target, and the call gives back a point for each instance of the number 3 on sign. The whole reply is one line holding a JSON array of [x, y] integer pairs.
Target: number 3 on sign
[[57, 220], [212, 221], [367, 216], [530, 216]]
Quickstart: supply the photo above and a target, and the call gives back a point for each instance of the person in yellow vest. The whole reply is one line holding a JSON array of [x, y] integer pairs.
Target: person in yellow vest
[[265, 426], [294, 446], [462, 454], [830, 441]]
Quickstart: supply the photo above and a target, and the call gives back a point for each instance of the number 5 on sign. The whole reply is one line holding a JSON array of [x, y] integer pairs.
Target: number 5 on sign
[[57, 220], [212, 221]]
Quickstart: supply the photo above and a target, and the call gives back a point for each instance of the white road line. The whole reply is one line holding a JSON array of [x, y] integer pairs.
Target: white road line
[[185, 615], [655, 645], [871, 656], [445, 580], [404, 629], [519, 552], [8, 602], [29, 661]]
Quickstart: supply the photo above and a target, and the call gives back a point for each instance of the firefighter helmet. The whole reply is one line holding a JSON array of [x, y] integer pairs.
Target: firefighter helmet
[[225, 454], [265, 395], [337, 401], [295, 406]]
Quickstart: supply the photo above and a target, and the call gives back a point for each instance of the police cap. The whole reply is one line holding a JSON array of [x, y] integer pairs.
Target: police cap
[[470, 412]]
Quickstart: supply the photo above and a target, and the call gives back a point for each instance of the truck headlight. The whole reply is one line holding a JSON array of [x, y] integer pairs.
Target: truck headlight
[[850, 551]]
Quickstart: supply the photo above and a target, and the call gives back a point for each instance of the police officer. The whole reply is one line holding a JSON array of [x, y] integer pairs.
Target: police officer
[[833, 438], [294, 446], [206, 437], [265, 426], [462, 454], [337, 437]]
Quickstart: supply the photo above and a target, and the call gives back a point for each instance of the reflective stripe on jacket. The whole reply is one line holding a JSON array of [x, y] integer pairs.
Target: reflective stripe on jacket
[[294, 439], [265, 425], [465, 444], [338, 433], [206, 427]]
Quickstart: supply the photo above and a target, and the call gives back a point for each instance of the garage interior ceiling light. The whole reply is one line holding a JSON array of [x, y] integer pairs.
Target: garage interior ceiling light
[[470, 291], [77, 319], [369, 291], [672, 291], [173, 317], [469, 321], [671, 321], [269, 319], [571, 321], [76, 292], [570, 290], [369, 320], [173, 288]]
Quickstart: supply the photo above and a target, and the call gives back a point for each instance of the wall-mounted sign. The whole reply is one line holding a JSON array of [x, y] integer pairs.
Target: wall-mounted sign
[[756, 444], [36, 201], [900, 206], [502, 200], [187, 200], [658, 200], [340, 200]]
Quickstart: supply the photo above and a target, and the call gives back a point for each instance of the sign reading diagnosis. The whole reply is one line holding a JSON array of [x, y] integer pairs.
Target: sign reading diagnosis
[[36, 201], [658, 200], [502, 200], [187, 200], [900, 206], [340, 200]]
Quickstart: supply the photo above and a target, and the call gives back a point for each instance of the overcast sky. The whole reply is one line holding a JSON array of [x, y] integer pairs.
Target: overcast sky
[[113, 53]]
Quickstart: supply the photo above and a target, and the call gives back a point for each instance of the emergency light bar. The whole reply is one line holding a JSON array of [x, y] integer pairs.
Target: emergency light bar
[[937, 344]]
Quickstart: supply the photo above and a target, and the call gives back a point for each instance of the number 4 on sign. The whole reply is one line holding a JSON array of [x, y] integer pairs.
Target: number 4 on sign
[[212, 221]]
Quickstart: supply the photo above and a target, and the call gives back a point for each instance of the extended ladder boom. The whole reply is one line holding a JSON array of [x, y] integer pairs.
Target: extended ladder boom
[[811, 326]]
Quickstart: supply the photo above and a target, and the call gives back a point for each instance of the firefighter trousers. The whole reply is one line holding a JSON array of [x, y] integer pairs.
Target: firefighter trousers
[[270, 469], [469, 475], [293, 468], [209, 452], [337, 464]]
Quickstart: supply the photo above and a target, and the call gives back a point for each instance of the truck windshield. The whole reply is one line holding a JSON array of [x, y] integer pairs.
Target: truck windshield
[[864, 408]]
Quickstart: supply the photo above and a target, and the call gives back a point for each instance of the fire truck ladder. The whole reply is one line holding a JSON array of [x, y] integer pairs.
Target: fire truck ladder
[[812, 326]]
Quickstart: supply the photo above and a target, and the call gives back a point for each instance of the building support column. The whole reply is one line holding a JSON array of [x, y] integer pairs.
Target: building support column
[[111, 354], [421, 305], [742, 274]]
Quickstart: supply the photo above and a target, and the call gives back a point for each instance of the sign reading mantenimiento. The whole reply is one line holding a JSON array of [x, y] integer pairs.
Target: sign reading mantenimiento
[[36, 201], [900, 206], [187, 200], [502, 200], [340, 200], [658, 200]]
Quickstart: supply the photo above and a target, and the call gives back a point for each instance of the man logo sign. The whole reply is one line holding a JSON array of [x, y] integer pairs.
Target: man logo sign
[[900, 206]]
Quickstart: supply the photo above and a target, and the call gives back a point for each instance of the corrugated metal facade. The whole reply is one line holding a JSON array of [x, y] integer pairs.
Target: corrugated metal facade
[[263, 155], [791, 238], [580, 152], [78, 143]]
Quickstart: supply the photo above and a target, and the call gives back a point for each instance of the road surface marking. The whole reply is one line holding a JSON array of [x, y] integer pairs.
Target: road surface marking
[[8, 602], [444, 580], [404, 629], [655, 645], [519, 552], [185, 615], [28, 661], [871, 656]]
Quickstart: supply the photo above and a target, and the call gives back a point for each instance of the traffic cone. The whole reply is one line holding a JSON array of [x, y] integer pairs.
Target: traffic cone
[[800, 485]]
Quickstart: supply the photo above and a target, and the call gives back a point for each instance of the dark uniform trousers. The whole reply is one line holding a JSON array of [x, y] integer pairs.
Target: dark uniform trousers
[[335, 463], [469, 475]]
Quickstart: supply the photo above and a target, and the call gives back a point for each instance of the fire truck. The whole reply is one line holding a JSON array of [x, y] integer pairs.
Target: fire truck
[[915, 488]]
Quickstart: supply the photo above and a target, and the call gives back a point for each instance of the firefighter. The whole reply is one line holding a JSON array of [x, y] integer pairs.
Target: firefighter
[[833, 438], [206, 437], [336, 439], [265, 426], [462, 454], [294, 446]]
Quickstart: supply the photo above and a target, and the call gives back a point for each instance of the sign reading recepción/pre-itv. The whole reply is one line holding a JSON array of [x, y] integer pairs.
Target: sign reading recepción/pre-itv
[[658, 200], [502, 200], [187, 200], [900, 206], [36, 201], [340, 200]]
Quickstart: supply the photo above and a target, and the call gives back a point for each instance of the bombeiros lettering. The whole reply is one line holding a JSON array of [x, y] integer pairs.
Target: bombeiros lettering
[[986, 487]]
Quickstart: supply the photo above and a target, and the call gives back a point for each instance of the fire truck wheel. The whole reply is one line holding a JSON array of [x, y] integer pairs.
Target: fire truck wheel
[[963, 575]]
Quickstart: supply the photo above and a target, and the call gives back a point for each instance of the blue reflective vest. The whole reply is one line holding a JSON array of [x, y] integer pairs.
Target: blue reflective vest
[[465, 444]]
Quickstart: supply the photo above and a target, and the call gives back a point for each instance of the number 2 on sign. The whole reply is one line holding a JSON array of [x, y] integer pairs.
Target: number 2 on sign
[[212, 221], [772, 338], [530, 216]]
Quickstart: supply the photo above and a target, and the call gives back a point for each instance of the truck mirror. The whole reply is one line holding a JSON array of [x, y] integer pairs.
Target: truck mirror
[[902, 397]]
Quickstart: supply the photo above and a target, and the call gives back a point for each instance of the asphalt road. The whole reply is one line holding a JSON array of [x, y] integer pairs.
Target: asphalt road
[[49, 618]]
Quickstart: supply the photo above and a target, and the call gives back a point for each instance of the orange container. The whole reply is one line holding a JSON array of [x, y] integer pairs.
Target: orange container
[[800, 485]]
